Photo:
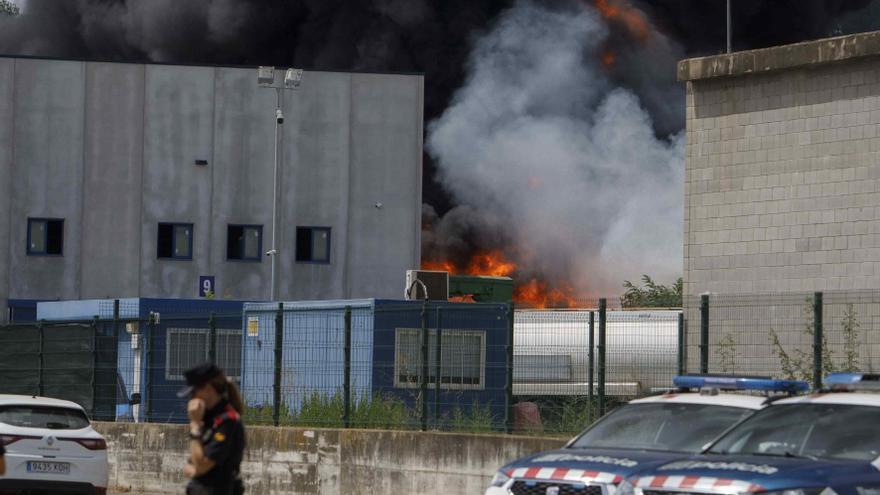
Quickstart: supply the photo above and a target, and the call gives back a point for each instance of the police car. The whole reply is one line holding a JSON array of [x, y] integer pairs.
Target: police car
[[644, 433], [827, 443]]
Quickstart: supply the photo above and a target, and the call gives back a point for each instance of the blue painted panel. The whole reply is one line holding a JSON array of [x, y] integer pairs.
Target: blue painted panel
[[178, 313], [313, 359], [23, 310], [393, 316]]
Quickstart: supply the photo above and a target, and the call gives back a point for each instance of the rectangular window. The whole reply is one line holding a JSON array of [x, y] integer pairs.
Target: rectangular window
[[313, 244], [187, 347], [175, 241], [244, 242], [45, 236], [462, 358]]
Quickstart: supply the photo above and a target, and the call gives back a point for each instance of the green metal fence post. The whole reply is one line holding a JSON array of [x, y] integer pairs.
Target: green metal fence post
[[817, 340], [113, 359], [590, 365], [212, 338], [95, 371], [279, 355], [423, 379], [437, 371], [346, 379], [682, 368], [508, 389], [704, 334], [42, 361], [151, 332], [601, 354]]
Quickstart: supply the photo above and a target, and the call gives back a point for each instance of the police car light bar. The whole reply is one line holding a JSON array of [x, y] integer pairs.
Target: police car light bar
[[852, 381], [740, 383]]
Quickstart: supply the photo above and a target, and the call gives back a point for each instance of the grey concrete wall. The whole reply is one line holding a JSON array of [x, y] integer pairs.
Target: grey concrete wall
[[149, 458], [7, 102], [111, 148], [782, 197], [47, 174], [317, 157], [113, 158], [241, 167], [782, 180], [384, 139], [178, 125]]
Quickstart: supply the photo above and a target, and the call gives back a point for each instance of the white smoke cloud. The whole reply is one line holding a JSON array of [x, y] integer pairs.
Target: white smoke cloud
[[539, 134]]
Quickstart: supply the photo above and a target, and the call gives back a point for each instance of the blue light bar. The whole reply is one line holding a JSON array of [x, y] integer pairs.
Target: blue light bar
[[740, 383], [852, 381]]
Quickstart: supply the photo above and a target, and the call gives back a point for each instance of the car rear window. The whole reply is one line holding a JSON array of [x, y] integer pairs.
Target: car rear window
[[54, 418]]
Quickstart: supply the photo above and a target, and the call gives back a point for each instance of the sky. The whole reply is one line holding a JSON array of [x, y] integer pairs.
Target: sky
[[553, 128]]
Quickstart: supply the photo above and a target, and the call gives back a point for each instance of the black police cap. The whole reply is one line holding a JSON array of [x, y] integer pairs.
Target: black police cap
[[198, 376]]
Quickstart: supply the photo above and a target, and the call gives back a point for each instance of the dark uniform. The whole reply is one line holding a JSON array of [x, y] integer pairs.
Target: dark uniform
[[223, 442]]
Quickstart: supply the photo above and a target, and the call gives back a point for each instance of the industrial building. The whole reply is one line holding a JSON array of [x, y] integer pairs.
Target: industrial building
[[156, 181]]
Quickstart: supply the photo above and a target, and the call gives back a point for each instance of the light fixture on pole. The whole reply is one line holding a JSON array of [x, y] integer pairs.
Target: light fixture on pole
[[292, 80]]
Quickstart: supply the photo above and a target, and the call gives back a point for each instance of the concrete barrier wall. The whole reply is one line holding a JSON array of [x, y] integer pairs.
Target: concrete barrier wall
[[148, 458]]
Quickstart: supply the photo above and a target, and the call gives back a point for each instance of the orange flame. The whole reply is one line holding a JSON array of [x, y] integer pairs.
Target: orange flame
[[631, 17], [491, 263], [440, 266], [534, 294]]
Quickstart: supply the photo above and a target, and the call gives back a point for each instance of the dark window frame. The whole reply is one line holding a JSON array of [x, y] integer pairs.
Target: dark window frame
[[45, 220], [312, 230], [258, 258], [174, 225]]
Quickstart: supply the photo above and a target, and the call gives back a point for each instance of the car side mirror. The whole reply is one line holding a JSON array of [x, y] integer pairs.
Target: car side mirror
[[135, 399]]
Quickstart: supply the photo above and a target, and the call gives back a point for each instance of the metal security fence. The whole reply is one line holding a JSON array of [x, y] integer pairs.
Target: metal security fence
[[357, 363], [796, 335]]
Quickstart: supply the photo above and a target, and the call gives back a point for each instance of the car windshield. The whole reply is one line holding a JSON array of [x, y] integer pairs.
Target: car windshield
[[668, 427], [54, 418], [829, 431]]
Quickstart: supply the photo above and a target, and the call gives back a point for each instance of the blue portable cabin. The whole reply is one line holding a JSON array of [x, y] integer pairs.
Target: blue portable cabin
[[150, 362], [22, 310], [386, 354]]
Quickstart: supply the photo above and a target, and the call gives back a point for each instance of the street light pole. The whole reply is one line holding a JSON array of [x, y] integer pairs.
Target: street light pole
[[273, 251], [729, 28], [266, 79]]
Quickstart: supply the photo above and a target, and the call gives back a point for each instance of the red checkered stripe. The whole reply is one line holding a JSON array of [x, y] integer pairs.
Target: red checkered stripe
[[711, 485], [564, 474]]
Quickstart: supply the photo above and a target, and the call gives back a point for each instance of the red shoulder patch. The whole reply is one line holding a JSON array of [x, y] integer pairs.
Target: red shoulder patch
[[229, 414]]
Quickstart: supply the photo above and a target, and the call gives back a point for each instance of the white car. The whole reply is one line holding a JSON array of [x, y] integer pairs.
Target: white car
[[50, 446]]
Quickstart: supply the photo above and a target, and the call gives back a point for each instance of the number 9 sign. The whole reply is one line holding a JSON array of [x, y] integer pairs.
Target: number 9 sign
[[206, 286]]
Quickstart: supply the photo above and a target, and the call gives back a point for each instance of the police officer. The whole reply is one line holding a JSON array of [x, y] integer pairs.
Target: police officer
[[216, 432]]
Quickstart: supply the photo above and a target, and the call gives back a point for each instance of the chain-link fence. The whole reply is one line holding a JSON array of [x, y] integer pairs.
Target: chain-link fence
[[360, 363], [796, 335]]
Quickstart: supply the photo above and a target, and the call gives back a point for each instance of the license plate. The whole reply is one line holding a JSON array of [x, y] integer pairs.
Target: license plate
[[48, 467]]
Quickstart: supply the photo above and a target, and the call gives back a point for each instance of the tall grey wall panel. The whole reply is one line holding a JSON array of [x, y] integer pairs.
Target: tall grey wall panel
[[178, 130], [7, 78], [112, 186], [47, 174], [316, 182], [242, 170], [386, 162]]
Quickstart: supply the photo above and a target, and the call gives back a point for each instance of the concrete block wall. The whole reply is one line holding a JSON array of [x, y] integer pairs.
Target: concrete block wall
[[148, 458], [782, 187]]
